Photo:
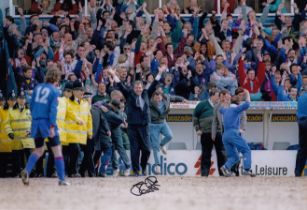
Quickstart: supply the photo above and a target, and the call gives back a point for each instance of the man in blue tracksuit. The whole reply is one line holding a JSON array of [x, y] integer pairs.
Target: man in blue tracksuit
[[302, 126], [44, 111], [233, 141]]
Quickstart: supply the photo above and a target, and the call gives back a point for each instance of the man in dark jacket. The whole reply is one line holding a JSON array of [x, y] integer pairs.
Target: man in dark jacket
[[117, 140], [115, 121], [138, 113], [102, 135]]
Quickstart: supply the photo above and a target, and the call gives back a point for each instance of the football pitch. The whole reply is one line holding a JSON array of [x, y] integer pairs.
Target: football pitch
[[175, 193]]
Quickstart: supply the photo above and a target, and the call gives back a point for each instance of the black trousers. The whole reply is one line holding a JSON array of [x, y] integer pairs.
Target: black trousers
[[139, 146], [301, 156], [39, 167], [207, 146], [87, 161], [73, 150], [65, 150], [50, 162], [17, 162], [4, 161]]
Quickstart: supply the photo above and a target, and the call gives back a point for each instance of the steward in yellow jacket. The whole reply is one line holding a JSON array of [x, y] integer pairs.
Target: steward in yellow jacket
[[61, 115], [19, 122], [78, 121], [78, 125], [7, 108], [5, 141]]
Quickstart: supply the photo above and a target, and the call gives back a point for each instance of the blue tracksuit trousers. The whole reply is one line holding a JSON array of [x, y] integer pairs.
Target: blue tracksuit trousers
[[234, 143]]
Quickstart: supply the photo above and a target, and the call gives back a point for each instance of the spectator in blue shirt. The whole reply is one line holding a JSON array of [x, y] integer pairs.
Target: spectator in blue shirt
[[302, 125]]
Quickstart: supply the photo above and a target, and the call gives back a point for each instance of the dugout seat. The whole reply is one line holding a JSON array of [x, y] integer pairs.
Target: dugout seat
[[280, 145], [177, 146], [198, 146]]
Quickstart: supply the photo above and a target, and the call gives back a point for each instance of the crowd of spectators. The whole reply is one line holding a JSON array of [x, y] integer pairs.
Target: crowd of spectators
[[121, 42], [227, 51]]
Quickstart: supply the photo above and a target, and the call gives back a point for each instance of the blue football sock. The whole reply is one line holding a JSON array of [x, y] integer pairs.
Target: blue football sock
[[31, 162], [60, 168]]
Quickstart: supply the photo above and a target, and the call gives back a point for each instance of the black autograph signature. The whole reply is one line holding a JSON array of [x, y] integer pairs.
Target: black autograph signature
[[150, 184]]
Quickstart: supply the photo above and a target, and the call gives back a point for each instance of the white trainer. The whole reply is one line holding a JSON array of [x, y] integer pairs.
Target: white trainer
[[115, 172], [163, 150], [64, 183], [157, 169], [25, 177], [127, 172]]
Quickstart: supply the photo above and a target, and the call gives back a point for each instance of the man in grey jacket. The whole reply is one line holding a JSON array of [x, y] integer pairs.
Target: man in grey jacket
[[159, 109], [217, 130]]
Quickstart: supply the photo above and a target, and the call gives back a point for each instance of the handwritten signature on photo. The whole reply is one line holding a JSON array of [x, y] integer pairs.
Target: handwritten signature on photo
[[150, 184]]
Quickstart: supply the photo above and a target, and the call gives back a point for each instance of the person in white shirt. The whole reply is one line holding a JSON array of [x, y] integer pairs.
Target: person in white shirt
[[68, 63], [241, 7]]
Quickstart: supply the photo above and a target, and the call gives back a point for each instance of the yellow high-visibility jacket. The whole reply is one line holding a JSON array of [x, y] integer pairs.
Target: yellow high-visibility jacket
[[61, 115], [5, 141], [78, 112], [20, 124]]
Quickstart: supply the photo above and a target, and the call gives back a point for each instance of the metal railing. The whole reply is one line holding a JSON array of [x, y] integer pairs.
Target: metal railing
[[219, 12]]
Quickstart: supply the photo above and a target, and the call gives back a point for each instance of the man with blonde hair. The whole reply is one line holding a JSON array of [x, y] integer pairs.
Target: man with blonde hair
[[44, 111]]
